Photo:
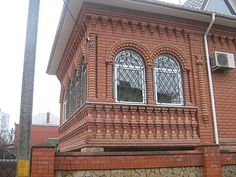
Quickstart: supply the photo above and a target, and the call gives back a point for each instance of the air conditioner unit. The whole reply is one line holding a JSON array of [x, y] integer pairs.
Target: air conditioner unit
[[222, 61]]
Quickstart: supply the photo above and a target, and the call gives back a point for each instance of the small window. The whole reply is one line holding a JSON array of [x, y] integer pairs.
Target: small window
[[129, 77], [168, 80]]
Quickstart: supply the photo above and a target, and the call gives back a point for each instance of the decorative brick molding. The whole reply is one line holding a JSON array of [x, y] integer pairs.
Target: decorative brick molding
[[173, 51], [201, 66], [128, 44], [107, 124], [92, 68], [145, 22]]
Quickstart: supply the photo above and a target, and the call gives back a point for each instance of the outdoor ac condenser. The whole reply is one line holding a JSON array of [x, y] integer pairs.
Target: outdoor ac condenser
[[222, 61]]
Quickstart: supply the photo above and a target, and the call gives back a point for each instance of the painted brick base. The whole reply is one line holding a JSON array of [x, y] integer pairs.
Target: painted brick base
[[205, 161]]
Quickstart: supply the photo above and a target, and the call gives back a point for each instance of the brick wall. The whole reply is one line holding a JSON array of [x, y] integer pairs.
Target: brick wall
[[42, 161], [46, 162], [39, 133]]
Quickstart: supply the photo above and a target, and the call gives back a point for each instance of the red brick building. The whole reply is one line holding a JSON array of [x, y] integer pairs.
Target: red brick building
[[43, 129], [135, 76]]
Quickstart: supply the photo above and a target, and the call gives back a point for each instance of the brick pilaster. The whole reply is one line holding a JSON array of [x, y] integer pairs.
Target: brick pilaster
[[42, 163], [211, 161], [92, 68]]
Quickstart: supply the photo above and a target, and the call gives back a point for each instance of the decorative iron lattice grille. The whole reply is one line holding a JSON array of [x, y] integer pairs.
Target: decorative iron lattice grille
[[168, 80], [129, 77], [76, 94]]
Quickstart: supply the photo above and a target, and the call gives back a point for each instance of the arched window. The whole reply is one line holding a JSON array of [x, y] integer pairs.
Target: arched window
[[129, 77], [168, 80], [76, 93]]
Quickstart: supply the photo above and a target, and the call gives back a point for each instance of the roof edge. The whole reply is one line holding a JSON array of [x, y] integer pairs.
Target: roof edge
[[181, 10], [58, 32]]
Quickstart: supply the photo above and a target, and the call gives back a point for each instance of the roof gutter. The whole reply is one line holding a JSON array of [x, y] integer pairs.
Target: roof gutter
[[210, 80]]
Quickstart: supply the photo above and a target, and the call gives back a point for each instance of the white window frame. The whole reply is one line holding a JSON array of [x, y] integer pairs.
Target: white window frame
[[134, 68], [85, 93], [64, 110], [180, 84]]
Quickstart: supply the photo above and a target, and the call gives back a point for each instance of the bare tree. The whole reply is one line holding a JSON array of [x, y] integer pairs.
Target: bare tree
[[7, 150]]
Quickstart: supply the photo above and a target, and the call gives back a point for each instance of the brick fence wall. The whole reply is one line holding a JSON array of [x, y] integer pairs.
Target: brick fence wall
[[46, 162]]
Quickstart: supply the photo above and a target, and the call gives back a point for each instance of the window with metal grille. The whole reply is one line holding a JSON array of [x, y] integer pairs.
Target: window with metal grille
[[168, 80], [129, 77], [76, 93]]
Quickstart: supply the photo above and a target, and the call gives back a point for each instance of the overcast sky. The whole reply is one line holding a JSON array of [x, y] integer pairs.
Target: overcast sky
[[13, 18]]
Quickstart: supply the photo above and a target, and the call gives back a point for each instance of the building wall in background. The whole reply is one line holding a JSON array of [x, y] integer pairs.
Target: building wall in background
[[42, 129], [4, 121]]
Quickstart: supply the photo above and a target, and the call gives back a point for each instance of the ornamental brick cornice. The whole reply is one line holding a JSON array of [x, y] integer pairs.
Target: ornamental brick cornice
[[127, 44], [222, 39], [223, 33], [173, 51], [133, 17]]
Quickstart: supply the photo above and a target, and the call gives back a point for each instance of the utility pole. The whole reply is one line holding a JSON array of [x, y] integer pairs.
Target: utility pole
[[23, 151]]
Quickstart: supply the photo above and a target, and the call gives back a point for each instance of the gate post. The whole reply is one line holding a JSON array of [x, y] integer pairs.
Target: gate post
[[42, 161]]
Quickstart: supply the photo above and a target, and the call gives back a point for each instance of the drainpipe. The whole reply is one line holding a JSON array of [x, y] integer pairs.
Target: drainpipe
[[210, 80]]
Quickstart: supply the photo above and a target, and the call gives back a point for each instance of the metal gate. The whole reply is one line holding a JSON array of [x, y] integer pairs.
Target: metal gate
[[8, 168]]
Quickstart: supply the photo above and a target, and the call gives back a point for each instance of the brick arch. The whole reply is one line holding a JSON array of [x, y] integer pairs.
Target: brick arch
[[74, 66], [173, 51], [76, 61], [128, 44], [81, 54]]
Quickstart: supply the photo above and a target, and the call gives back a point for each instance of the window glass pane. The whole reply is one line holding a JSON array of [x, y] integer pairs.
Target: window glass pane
[[130, 82], [129, 85], [168, 81]]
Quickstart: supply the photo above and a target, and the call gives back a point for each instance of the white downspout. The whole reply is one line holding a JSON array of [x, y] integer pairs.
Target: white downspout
[[210, 80]]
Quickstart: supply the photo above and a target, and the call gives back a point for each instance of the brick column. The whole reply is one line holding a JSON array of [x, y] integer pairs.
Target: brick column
[[109, 81], [203, 90], [92, 68], [42, 162], [211, 161], [150, 85]]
